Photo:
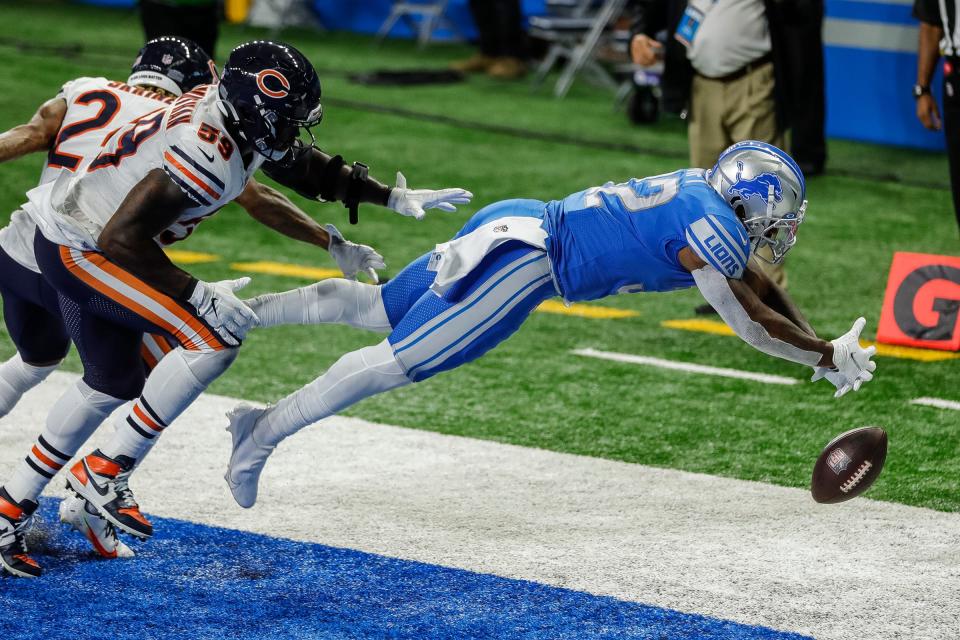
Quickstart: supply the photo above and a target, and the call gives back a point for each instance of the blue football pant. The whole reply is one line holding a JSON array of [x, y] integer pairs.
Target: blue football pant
[[433, 333]]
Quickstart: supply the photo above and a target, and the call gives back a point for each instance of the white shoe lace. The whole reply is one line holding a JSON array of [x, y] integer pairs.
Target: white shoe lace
[[124, 494]]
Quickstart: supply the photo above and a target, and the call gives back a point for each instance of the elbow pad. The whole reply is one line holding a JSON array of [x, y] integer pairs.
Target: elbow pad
[[713, 285]]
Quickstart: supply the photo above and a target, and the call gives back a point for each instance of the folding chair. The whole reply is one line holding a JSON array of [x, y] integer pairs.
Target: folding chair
[[431, 16], [575, 36], [277, 15]]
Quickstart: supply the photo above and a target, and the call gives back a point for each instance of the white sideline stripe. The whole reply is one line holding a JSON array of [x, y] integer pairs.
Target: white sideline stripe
[[743, 551], [939, 403], [863, 34], [687, 367]]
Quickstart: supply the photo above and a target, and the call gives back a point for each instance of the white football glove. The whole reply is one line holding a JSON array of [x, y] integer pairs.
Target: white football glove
[[413, 202], [229, 317], [837, 379], [353, 258], [851, 361]]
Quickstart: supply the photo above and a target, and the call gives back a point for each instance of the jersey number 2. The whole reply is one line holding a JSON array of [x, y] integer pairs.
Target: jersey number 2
[[637, 196], [109, 106]]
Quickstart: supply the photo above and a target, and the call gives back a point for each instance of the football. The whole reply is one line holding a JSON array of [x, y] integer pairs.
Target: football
[[849, 464]]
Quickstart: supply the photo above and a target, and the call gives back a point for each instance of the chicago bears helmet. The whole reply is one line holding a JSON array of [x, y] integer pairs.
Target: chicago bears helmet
[[173, 64], [766, 189], [271, 91]]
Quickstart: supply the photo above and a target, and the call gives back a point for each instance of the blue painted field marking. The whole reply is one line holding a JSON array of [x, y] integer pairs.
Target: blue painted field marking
[[196, 581]]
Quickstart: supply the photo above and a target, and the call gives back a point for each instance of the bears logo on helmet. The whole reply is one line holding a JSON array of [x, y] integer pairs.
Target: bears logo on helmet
[[273, 73]]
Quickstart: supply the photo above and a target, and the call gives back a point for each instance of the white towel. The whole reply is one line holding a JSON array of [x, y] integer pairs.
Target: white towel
[[455, 259]]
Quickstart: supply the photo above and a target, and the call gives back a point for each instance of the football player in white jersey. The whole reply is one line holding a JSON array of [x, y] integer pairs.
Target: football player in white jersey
[[71, 127], [99, 245]]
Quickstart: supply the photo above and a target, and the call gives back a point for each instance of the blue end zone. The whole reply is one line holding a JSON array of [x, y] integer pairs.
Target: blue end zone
[[195, 581]]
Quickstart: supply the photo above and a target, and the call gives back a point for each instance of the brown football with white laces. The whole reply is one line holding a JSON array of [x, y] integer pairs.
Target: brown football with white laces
[[849, 464]]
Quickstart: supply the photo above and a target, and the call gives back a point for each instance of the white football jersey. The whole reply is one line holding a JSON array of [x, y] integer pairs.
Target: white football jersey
[[95, 106], [187, 139]]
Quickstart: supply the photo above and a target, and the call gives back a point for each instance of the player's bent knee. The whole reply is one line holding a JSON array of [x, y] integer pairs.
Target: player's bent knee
[[206, 366]]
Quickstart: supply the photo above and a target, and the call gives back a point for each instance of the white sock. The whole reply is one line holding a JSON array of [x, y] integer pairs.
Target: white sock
[[355, 376], [74, 416], [16, 378], [334, 301], [177, 380]]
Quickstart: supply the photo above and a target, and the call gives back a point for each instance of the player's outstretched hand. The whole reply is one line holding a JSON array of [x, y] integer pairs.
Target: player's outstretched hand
[[837, 379], [218, 305], [851, 360], [352, 258], [414, 202]]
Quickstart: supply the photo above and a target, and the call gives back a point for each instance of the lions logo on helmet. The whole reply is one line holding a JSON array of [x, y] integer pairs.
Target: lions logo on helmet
[[766, 189], [759, 186]]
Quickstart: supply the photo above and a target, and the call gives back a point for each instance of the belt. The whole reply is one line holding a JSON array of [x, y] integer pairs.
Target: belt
[[742, 71]]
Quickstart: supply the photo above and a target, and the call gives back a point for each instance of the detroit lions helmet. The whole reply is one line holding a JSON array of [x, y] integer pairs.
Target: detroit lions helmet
[[173, 64], [766, 189], [271, 91]]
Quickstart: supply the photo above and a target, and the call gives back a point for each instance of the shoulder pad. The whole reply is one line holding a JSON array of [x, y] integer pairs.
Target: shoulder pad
[[721, 242], [198, 167]]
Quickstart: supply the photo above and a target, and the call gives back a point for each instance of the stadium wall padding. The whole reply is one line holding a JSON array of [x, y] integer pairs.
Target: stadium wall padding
[[870, 49]]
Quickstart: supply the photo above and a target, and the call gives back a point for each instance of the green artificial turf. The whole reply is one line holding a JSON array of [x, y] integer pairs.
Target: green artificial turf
[[531, 390]]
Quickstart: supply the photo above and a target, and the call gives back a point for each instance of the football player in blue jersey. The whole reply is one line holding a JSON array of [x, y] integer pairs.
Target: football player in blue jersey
[[674, 231]]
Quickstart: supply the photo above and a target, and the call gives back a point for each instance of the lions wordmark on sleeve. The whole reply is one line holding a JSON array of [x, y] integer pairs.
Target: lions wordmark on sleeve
[[725, 249]]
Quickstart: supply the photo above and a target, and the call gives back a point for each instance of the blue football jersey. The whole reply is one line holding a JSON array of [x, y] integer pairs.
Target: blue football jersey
[[623, 238]]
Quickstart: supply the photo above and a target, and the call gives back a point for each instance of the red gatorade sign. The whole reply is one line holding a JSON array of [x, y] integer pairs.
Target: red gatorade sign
[[921, 307]]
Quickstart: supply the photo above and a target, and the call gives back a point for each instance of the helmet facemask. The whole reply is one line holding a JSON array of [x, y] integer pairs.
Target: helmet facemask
[[780, 234], [272, 134]]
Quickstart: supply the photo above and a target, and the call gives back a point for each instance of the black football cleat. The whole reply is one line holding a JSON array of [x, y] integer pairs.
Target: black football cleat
[[14, 555], [102, 482]]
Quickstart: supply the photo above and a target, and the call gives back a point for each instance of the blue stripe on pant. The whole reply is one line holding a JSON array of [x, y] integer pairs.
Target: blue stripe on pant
[[437, 334]]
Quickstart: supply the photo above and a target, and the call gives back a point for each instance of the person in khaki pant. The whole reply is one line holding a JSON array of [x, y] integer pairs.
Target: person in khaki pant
[[726, 111], [725, 69]]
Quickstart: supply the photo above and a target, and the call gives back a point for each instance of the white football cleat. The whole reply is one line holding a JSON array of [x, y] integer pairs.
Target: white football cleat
[[247, 456], [101, 534]]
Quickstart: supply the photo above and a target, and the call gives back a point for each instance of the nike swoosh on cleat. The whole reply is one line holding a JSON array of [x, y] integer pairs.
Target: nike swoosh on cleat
[[96, 485]]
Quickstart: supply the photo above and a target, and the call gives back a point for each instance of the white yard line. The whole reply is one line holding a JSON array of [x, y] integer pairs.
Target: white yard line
[[939, 403], [687, 367], [744, 551]]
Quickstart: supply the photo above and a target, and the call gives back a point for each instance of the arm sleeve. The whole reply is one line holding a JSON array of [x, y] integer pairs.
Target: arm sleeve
[[927, 11], [720, 242], [715, 289], [649, 17], [314, 174], [197, 167]]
